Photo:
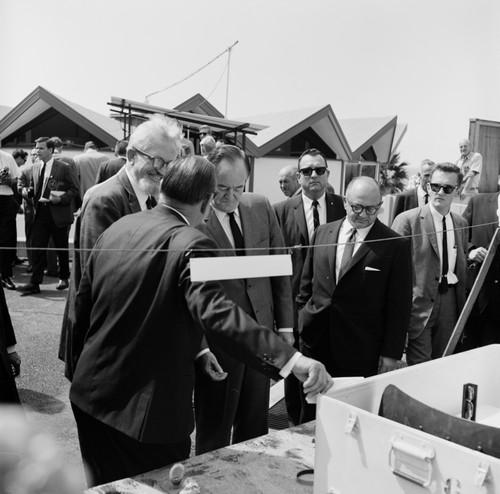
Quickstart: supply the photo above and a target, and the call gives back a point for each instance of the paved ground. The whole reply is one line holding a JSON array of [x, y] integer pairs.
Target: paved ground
[[42, 385]]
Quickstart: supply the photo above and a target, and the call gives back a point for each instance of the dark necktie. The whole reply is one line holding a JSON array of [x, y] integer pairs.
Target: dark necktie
[[315, 205], [151, 202], [426, 198], [39, 186], [348, 251], [443, 284], [237, 236]]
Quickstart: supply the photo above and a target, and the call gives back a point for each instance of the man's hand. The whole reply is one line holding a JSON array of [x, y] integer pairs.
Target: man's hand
[[386, 364], [211, 367], [478, 255], [314, 376], [54, 199], [287, 338], [15, 363]]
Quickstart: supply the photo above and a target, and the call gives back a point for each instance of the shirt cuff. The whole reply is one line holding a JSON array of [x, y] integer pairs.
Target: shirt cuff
[[199, 354], [287, 368], [11, 349], [285, 330]]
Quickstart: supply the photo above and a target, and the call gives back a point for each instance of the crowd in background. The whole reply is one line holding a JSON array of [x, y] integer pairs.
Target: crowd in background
[[363, 298]]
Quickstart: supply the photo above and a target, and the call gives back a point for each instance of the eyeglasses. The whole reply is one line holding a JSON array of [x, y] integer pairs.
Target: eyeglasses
[[369, 210], [158, 163], [448, 189], [307, 172]]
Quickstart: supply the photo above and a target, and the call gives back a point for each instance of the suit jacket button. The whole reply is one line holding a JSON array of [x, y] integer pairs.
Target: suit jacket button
[[273, 361]]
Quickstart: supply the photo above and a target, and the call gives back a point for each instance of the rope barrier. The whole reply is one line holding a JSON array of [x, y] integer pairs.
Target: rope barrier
[[251, 249]]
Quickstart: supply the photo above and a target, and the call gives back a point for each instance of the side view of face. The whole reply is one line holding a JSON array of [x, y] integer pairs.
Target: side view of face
[[148, 170], [440, 199], [464, 147], [313, 176], [288, 181], [425, 175], [364, 192], [230, 181]]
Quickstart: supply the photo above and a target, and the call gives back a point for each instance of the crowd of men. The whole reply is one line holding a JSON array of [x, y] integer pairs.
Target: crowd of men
[[140, 338]]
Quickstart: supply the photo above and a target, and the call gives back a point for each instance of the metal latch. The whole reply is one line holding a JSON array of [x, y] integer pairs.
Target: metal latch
[[481, 474], [411, 458], [351, 426]]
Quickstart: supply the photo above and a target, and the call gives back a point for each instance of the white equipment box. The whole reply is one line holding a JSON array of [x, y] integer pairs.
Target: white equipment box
[[359, 452]]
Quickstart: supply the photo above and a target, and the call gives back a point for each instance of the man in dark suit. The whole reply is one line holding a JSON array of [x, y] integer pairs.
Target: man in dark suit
[[355, 295], [483, 327], [439, 272], [134, 188], [296, 219], [112, 167], [10, 363], [240, 403], [134, 351], [419, 196], [53, 187]]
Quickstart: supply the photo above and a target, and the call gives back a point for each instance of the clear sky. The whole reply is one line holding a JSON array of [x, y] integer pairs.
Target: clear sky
[[433, 63]]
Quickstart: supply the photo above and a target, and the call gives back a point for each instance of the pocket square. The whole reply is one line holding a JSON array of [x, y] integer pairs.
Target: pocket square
[[368, 268]]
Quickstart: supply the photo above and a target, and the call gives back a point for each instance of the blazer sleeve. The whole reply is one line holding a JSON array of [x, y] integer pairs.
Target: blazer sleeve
[[399, 301], [281, 287], [226, 324]]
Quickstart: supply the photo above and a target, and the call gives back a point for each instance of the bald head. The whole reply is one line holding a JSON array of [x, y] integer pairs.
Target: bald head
[[288, 180], [465, 147], [365, 192]]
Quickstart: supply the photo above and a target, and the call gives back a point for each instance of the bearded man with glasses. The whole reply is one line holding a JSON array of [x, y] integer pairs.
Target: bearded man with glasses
[[439, 247], [298, 217], [152, 146]]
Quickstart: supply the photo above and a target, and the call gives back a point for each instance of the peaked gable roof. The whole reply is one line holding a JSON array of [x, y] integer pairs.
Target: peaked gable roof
[[38, 101], [198, 104], [363, 133], [282, 126]]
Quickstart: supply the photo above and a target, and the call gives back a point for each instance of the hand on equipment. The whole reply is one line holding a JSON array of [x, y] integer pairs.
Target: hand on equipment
[[313, 374], [15, 363]]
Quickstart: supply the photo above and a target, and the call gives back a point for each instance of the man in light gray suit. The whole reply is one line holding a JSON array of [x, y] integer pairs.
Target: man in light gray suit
[[439, 245], [239, 222]]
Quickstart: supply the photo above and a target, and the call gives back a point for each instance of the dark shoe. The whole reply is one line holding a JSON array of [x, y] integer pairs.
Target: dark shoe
[[62, 285], [17, 261], [29, 289], [50, 273], [8, 283]]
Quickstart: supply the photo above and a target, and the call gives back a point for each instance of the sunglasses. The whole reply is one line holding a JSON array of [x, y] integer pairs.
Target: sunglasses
[[448, 189], [307, 172]]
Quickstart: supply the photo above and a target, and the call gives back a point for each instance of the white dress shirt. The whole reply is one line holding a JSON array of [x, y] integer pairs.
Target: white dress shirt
[[344, 234], [308, 211], [451, 243]]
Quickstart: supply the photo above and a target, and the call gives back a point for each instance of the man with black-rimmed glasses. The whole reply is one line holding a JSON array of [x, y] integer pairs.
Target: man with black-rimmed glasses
[[152, 145], [298, 217], [439, 246], [355, 292]]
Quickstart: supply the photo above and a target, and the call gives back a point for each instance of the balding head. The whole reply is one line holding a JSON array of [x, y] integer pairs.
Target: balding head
[[362, 195], [288, 180], [465, 147]]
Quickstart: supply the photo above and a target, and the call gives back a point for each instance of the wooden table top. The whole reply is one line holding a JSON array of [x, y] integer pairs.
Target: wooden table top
[[268, 464]]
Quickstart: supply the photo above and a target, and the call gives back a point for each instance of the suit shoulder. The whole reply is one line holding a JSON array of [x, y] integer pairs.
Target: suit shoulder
[[335, 198]]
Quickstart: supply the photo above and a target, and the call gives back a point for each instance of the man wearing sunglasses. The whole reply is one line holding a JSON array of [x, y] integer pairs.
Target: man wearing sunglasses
[[439, 245], [355, 292], [296, 217], [152, 146]]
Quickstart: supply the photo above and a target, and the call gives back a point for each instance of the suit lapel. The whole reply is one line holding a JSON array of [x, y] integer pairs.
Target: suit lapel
[[364, 247], [330, 209], [249, 221], [333, 237], [428, 229], [218, 234], [300, 219], [122, 176]]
